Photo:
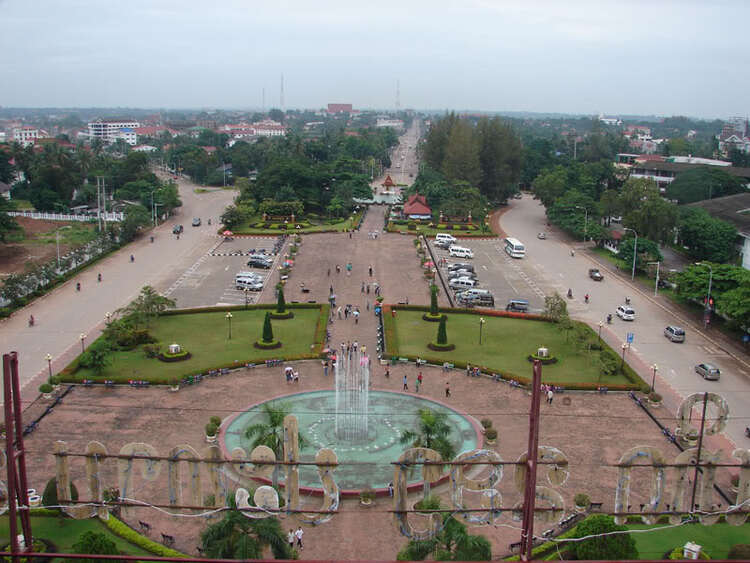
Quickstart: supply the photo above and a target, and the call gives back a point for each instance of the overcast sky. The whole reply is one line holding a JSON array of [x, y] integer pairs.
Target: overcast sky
[[659, 57]]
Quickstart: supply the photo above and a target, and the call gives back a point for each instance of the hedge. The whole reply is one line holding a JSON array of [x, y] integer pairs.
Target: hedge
[[119, 528]]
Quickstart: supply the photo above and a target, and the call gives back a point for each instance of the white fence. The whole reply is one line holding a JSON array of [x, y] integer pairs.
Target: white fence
[[108, 216]]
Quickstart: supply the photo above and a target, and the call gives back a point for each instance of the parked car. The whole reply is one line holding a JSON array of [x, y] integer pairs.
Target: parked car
[[460, 252], [595, 274], [626, 313], [177, 229], [460, 266], [196, 221], [260, 262], [708, 371], [461, 274], [517, 305], [675, 333]]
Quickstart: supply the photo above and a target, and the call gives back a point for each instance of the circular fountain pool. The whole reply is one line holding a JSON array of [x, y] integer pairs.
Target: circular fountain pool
[[388, 415]]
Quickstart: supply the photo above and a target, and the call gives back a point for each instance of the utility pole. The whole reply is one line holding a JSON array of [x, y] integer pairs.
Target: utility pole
[[532, 452]]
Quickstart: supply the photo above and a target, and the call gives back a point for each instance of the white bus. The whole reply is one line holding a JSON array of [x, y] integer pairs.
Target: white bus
[[514, 248]]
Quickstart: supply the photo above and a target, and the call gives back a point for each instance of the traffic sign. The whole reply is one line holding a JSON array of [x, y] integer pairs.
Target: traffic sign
[[631, 336]]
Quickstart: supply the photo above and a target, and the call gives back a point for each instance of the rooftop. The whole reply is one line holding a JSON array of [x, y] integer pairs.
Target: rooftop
[[734, 209]]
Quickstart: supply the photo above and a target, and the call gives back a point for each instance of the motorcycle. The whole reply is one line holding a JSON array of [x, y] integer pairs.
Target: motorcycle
[[31, 320], [78, 286], [570, 293], [586, 298], [132, 258], [609, 319], [627, 301]]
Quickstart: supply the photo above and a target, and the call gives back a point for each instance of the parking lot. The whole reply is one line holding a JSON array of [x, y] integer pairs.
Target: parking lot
[[507, 278], [211, 280]]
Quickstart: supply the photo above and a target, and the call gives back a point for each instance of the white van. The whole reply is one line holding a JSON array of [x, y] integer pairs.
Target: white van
[[445, 237], [462, 283], [460, 252]]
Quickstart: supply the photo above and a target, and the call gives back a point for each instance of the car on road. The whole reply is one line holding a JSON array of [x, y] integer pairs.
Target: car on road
[[260, 262], [177, 229], [517, 305], [626, 313], [675, 333], [708, 371], [595, 274], [196, 221], [541, 236]]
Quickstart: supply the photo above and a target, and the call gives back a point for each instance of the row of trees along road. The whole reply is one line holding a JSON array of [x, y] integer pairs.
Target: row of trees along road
[[465, 161]]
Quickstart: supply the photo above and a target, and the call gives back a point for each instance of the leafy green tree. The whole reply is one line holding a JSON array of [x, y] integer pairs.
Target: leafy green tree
[[97, 357], [551, 184], [433, 431], [280, 302], [707, 238], [442, 336], [436, 142], [462, 154], [648, 251], [6, 168], [569, 212], [499, 159], [646, 211], [276, 114], [704, 182], [267, 329], [609, 205], [147, 306], [615, 546], [452, 543], [232, 216], [555, 307], [238, 537], [95, 543], [136, 218], [735, 303], [8, 224], [692, 281]]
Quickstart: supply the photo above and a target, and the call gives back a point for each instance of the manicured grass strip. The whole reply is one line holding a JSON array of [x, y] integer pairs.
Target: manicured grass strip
[[64, 532], [206, 336], [506, 344], [128, 534], [716, 539], [343, 225]]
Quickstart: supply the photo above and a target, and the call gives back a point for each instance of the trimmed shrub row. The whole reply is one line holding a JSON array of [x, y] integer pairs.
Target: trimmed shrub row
[[119, 528]]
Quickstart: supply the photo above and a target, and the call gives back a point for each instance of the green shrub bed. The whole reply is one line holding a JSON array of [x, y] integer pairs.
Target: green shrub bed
[[545, 360], [267, 345], [282, 316], [429, 318], [441, 347], [178, 357], [119, 528]]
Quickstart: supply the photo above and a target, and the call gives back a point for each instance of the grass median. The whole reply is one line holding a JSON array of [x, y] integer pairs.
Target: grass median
[[205, 335], [506, 345]]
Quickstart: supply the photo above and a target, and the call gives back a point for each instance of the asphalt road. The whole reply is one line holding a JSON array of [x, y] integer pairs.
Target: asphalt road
[[551, 266], [64, 314]]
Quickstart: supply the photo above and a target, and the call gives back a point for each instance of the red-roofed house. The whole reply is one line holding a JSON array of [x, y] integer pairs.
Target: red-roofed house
[[388, 182], [209, 150], [416, 208]]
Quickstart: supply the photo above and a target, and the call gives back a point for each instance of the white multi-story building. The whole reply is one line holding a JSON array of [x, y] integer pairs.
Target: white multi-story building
[[27, 135], [109, 130], [395, 123], [269, 128]]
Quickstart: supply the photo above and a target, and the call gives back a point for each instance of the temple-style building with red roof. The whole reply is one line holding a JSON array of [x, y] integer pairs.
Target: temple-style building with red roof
[[416, 207], [388, 183]]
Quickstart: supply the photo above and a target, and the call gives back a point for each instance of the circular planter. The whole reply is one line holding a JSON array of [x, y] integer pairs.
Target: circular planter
[[35, 500], [366, 502], [490, 441], [580, 509], [429, 318], [176, 358], [441, 347], [267, 345], [46, 396], [545, 361], [281, 316], [654, 404], [211, 439], [174, 388]]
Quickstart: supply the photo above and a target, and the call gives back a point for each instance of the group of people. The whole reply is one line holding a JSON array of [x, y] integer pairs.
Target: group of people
[[548, 391], [348, 311], [291, 375], [293, 536], [473, 371]]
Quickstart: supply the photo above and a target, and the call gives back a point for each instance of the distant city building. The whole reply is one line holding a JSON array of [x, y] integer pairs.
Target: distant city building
[[144, 148], [265, 128], [2, 136], [664, 173], [610, 120], [735, 135], [395, 123], [27, 136], [109, 130], [339, 108]]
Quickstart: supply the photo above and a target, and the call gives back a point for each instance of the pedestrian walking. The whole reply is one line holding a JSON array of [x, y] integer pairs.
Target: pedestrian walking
[[447, 389], [417, 386], [350, 234], [370, 270], [355, 345], [329, 272], [356, 316], [325, 368], [363, 288], [406, 384], [338, 269], [550, 396], [339, 311], [299, 534], [419, 378], [368, 288], [290, 537], [367, 304], [468, 370], [388, 372]]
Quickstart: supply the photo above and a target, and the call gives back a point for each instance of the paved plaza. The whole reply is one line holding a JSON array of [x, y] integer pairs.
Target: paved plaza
[[592, 430]]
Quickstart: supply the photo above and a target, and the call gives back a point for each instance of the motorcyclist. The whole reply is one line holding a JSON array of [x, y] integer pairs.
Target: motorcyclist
[[98, 277], [570, 293], [78, 286], [586, 298], [627, 301], [132, 258], [609, 319], [31, 320], [572, 252]]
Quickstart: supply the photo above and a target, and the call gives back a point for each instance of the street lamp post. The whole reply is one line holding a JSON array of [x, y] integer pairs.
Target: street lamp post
[[635, 251], [229, 319], [83, 338], [622, 363], [656, 282], [49, 364], [707, 307], [601, 324], [481, 324], [585, 221], [655, 368], [245, 290]]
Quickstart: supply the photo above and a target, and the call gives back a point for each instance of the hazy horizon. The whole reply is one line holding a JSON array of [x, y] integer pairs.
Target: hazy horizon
[[585, 58]]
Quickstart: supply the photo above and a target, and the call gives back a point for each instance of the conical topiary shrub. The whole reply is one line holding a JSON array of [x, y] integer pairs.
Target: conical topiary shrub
[[442, 337], [434, 315], [267, 341], [281, 311]]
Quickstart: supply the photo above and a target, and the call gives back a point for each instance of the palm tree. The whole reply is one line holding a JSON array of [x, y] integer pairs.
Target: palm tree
[[147, 305], [433, 432], [238, 537], [271, 433]]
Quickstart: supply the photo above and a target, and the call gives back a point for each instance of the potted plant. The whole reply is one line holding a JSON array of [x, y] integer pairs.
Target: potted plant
[[735, 483], [367, 497], [211, 431], [691, 438], [215, 420], [55, 382], [46, 390], [582, 502], [491, 436], [654, 399]]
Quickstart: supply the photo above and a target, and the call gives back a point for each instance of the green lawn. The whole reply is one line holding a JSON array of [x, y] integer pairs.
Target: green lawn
[[432, 231], [506, 343], [716, 540], [205, 336], [313, 227], [77, 235], [64, 532]]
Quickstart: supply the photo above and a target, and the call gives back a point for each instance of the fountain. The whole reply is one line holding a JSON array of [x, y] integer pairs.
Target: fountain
[[352, 396]]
